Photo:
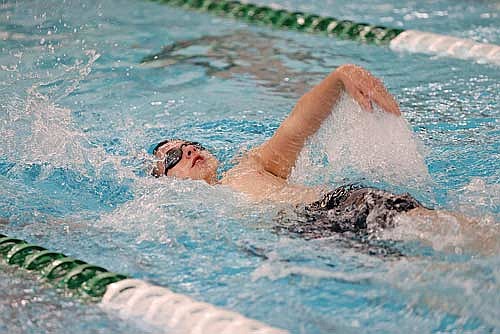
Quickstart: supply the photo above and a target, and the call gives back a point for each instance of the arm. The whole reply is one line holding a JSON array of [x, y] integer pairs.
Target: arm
[[278, 154]]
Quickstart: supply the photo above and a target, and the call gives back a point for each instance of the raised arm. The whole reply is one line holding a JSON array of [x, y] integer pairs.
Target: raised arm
[[278, 154]]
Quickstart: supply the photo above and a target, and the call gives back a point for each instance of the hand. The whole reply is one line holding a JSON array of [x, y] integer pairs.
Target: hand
[[365, 88]]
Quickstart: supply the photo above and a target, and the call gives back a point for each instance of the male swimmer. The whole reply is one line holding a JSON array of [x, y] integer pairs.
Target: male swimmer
[[262, 173]]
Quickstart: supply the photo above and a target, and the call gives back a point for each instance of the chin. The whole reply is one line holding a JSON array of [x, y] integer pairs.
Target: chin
[[209, 173], [208, 176]]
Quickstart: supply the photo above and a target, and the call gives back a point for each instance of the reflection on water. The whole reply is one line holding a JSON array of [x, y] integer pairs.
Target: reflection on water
[[267, 59]]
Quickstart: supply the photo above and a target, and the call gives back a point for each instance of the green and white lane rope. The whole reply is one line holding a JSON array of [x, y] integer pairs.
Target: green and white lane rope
[[129, 298], [397, 39]]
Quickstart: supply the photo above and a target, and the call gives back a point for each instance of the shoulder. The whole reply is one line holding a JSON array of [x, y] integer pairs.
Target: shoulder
[[248, 165]]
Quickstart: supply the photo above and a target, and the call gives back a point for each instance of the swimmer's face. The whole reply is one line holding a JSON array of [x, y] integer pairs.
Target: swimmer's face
[[186, 160]]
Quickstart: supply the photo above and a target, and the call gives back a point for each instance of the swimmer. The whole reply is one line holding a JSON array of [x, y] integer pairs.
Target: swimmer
[[263, 172]]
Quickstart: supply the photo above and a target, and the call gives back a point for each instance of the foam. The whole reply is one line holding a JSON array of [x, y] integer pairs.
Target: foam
[[161, 206], [479, 198], [447, 232], [377, 145], [36, 130]]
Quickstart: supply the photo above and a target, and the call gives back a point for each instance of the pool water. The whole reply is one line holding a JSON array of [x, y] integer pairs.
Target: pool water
[[82, 99]]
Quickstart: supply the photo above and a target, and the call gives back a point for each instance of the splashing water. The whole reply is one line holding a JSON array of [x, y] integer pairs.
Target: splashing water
[[378, 146], [38, 131], [477, 198], [447, 232]]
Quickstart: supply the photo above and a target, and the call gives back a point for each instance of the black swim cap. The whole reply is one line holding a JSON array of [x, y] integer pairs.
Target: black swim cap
[[160, 144]]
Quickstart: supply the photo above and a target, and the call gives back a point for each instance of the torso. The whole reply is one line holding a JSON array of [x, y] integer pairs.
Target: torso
[[250, 178]]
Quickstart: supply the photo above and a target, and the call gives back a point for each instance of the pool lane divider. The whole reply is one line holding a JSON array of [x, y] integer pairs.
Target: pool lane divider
[[129, 298], [412, 41]]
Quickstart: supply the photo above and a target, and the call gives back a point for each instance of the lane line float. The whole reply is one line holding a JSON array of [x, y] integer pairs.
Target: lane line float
[[412, 41], [129, 298]]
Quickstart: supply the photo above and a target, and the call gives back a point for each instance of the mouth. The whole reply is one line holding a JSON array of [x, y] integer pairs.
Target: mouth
[[196, 159]]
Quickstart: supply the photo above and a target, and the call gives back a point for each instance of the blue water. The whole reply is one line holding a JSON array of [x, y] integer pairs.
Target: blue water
[[79, 112]]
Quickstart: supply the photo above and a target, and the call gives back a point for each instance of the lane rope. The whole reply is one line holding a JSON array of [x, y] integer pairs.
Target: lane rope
[[129, 298], [283, 19], [435, 44], [398, 39], [165, 309]]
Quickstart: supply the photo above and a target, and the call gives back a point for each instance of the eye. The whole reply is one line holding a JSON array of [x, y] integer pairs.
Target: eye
[[172, 157]]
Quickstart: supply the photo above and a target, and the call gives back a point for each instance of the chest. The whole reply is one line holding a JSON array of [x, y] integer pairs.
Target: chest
[[261, 185], [256, 183]]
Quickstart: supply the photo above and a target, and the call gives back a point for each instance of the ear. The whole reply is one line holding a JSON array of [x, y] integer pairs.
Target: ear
[[155, 172]]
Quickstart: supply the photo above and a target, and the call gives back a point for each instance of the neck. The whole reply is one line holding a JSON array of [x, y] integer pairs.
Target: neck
[[211, 180]]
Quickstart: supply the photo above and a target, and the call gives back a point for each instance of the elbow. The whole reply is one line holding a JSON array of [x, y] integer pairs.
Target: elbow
[[347, 68]]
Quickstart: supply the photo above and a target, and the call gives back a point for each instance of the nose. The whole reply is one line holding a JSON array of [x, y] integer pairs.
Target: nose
[[188, 150]]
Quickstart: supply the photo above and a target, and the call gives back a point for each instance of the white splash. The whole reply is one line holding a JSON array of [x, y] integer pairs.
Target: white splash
[[377, 145], [37, 130], [478, 198], [447, 232], [161, 206]]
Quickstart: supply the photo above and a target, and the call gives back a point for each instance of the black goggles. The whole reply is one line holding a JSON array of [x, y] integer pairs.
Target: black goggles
[[174, 155]]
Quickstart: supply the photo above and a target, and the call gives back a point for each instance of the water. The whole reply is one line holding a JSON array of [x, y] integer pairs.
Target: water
[[79, 112]]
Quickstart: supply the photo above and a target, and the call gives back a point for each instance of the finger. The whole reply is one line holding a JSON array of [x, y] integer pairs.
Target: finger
[[388, 103], [394, 107], [384, 99]]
